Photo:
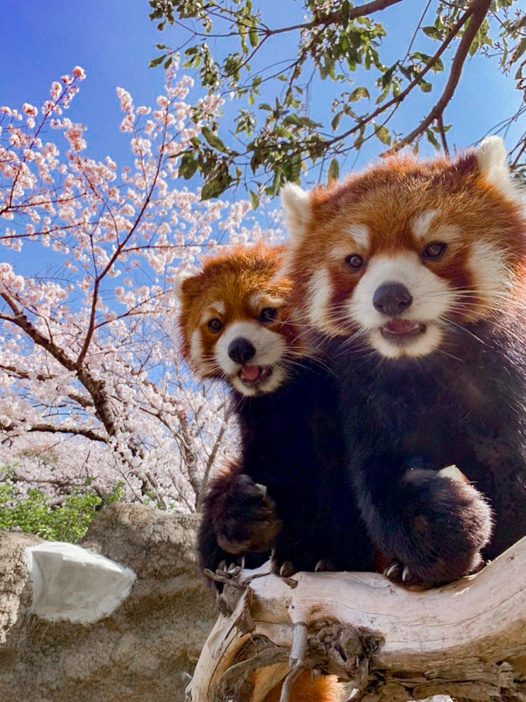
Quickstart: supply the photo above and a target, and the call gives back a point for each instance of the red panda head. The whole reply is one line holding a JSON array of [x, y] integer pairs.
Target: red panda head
[[235, 320], [397, 255]]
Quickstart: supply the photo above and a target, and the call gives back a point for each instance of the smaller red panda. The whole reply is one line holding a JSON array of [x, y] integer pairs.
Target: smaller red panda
[[236, 327], [235, 320]]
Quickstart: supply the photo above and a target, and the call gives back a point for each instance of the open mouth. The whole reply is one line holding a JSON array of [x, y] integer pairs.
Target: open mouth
[[401, 331], [254, 375]]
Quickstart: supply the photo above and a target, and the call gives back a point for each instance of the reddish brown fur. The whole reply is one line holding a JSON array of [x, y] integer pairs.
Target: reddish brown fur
[[233, 277], [325, 688], [386, 198]]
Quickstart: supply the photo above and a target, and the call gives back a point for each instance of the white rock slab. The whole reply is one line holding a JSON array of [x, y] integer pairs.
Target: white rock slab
[[70, 582]]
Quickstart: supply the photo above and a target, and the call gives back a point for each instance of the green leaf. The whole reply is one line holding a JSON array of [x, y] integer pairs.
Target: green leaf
[[214, 141], [336, 120], [254, 199], [157, 61], [212, 188], [432, 139], [346, 8], [383, 134], [358, 94], [187, 167], [425, 87], [254, 38], [334, 170], [432, 32], [292, 119]]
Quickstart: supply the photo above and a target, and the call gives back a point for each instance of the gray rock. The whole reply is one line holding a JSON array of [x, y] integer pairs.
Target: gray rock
[[140, 652]]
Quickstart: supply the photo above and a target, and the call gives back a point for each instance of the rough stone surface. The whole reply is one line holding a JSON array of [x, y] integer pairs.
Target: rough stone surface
[[140, 652]]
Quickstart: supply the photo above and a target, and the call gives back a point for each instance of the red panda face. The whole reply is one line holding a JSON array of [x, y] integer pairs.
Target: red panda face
[[235, 320], [397, 256]]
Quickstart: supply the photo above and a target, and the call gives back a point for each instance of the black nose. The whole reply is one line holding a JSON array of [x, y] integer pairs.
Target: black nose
[[392, 299], [241, 350]]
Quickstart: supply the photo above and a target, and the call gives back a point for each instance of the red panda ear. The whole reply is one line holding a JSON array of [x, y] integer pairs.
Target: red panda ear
[[492, 161], [296, 203], [182, 284]]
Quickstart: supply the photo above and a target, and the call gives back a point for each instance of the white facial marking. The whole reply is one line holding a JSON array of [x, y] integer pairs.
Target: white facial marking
[[255, 300], [270, 347], [219, 307], [196, 351], [421, 345], [271, 384], [360, 234], [425, 232], [432, 298], [421, 224], [320, 295], [488, 272]]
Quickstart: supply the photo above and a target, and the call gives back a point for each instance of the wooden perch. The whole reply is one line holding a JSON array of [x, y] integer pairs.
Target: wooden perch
[[467, 639]]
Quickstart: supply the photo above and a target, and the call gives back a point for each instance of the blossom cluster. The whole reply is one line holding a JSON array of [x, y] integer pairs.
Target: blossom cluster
[[91, 380]]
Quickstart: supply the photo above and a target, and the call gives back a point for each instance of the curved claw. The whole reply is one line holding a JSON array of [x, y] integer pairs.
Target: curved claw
[[390, 570]]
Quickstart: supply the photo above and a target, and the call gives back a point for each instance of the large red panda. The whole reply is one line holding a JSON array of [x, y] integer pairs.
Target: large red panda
[[236, 327], [411, 274]]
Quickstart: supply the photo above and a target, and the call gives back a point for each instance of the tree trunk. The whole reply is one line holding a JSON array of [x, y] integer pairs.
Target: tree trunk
[[467, 639]]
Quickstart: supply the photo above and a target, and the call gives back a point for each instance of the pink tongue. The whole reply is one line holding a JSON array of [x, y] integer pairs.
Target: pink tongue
[[400, 326], [250, 372]]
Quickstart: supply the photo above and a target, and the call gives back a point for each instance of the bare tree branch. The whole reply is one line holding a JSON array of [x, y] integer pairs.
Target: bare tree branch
[[478, 12]]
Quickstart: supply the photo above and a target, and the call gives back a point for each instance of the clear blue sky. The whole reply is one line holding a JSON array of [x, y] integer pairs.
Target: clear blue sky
[[113, 40]]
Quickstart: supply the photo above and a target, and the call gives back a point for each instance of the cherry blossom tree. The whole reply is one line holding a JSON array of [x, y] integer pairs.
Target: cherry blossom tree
[[91, 381]]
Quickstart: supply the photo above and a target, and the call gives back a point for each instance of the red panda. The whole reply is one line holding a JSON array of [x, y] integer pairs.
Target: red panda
[[411, 274], [236, 327]]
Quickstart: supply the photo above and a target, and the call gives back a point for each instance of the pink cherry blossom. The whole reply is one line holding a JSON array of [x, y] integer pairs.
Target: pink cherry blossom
[[92, 384]]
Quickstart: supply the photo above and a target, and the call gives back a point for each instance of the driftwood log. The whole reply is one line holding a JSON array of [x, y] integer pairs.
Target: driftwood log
[[467, 640]]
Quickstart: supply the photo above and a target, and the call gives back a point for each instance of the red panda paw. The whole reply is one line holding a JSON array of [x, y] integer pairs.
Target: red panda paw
[[400, 574], [247, 522]]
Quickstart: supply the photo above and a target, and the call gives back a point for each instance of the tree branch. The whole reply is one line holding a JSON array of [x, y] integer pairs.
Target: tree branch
[[478, 12], [95, 387], [337, 16], [56, 429]]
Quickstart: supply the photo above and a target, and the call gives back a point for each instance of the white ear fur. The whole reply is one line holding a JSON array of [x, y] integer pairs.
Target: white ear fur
[[492, 160], [178, 283], [295, 202]]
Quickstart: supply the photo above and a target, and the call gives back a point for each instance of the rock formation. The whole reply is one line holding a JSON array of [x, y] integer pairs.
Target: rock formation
[[141, 652]]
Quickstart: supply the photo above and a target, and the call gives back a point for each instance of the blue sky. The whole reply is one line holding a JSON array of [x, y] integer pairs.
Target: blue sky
[[113, 40]]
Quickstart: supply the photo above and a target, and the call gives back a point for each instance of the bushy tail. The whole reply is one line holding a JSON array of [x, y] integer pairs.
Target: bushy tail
[[324, 688]]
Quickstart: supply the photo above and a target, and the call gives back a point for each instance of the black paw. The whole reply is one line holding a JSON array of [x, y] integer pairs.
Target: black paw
[[400, 574], [287, 562], [247, 521], [446, 523]]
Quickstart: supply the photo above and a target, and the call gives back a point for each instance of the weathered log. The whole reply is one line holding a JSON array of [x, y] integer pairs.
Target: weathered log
[[467, 639]]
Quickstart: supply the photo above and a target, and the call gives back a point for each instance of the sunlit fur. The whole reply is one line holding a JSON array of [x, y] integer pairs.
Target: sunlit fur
[[323, 688], [396, 209], [234, 287], [453, 389]]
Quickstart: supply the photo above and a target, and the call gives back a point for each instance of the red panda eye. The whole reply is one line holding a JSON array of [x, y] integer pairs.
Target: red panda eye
[[268, 314], [215, 325], [435, 250], [354, 262]]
